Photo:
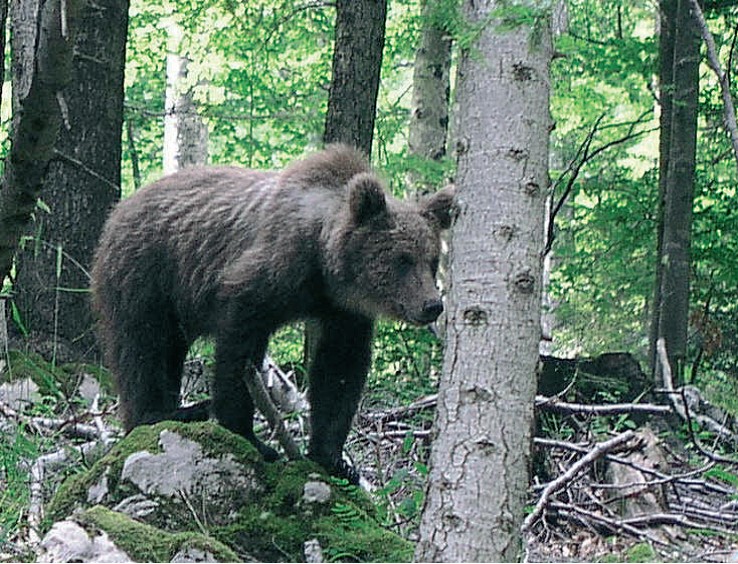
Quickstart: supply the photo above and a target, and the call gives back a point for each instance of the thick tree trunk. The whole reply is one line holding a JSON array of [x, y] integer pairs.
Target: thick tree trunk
[[674, 258], [357, 62], [428, 127], [480, 458], [46, 44], [80, 186]]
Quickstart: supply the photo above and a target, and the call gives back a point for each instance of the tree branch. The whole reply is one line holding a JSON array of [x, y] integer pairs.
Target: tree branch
[[560, 482], [714, 63]]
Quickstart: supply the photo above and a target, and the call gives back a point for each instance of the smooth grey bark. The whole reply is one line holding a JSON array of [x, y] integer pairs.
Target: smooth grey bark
[[79, 187], [481, 454], [46, 59], [667, 23]]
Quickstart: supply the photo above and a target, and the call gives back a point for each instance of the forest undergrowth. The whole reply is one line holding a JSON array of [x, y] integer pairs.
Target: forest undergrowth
[[612, 481]]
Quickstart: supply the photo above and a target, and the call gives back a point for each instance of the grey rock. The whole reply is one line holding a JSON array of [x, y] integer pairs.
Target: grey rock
[[69, 542]]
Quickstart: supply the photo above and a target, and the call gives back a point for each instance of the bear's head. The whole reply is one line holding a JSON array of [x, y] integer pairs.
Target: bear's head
[[383, 253]]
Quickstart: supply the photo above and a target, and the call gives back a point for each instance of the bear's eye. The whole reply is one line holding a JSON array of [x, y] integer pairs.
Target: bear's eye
[[434, 266], [404, 263]]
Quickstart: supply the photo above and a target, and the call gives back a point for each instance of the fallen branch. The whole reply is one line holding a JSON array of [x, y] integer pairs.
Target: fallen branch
[[679, 401], [564, 479], [555, 404]]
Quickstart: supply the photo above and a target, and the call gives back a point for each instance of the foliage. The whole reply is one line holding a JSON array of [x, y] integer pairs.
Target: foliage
[[16, 449]]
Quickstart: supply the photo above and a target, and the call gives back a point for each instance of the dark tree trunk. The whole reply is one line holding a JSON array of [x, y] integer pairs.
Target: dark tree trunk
[[44, 49], [674, 258], [357, 61], [667, 21], [81, 185], [352, 98], [3, 23]]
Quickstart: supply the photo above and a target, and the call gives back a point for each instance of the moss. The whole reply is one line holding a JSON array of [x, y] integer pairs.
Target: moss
[[216, 441], [348, 535], [272, 526], [641, 552], [52, 380], [73, 491], [144, 543]]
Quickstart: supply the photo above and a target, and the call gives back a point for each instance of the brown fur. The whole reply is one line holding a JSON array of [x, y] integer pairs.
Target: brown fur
[[237, 253]]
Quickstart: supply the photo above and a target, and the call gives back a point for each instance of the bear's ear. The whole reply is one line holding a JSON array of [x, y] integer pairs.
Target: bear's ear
[[366, 198], [439, 206]]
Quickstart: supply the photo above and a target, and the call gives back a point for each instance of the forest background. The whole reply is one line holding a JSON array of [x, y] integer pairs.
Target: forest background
[[258, 76]]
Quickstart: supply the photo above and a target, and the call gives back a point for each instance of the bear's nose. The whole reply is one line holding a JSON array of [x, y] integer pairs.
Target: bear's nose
[[432, 309]]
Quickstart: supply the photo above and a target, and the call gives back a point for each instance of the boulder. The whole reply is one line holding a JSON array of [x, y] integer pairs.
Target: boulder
[[196, 492]]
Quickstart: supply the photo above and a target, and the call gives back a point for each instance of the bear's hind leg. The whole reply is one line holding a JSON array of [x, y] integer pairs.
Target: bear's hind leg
[[144, 363], [232, 403], [337, 376]]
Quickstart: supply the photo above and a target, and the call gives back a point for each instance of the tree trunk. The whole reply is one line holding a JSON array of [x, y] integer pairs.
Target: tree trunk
[[357, 62], [428, 127], [674, 258], [667, 22], [185, 134], [43, 49], [80, 186], [480, 457], [352, 98]]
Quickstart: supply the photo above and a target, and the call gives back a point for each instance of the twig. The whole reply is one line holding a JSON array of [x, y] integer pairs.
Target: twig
[[554, 404], [557, 484], [614, 525], [714, 63]]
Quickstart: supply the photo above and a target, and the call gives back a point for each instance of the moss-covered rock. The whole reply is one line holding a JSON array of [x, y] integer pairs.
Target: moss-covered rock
[[175, 479]]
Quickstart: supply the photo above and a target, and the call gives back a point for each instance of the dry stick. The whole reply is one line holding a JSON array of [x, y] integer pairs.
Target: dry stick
[[553, 404], [263, 402], [714, 63], [614, 525], [560, 482], [681, 407]]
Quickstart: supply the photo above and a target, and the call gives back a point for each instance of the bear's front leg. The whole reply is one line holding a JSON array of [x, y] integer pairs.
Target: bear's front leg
[[337, 376]]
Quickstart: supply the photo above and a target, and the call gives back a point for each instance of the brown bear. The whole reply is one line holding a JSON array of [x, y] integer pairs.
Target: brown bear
[[236, 254]]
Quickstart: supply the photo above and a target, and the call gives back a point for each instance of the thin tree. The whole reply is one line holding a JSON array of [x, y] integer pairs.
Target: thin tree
[[352, 97], [480, 457], [679, 68], [185, 133], [80, 186], [428, 127]]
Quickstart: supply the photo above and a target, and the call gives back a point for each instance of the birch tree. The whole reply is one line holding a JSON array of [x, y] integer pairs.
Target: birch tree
[[481, 454], [185, 133]]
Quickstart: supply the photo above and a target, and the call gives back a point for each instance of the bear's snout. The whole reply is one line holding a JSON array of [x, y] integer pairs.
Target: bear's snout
[[431, 310]]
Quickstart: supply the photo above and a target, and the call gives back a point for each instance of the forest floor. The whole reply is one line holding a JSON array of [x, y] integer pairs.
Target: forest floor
[[604, 488]]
